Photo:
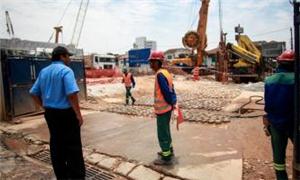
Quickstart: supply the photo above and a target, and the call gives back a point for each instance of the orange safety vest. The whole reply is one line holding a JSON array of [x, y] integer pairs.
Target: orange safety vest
[[127, 80], [160, 105]]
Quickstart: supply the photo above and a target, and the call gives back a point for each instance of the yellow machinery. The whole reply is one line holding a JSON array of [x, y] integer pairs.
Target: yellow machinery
[[245, 60], [187, 61]]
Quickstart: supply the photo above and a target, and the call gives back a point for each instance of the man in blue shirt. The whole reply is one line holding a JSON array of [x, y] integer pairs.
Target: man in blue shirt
[[164, 102], [279, 106], [56, 91]]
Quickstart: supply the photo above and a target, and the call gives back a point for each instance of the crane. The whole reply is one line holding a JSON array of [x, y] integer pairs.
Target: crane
[[10, 28], [201, 30], [58, 29], [79, 22]]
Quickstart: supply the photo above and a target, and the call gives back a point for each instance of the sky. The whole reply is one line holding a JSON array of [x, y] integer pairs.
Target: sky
[[113, 25]]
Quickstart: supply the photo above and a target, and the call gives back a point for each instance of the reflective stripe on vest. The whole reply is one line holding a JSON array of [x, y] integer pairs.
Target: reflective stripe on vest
[[127, 80], [279, 167], [160, 105]]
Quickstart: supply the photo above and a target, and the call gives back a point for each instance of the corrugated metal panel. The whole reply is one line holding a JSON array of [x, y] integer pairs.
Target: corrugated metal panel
[[20, 70], [2, 104]]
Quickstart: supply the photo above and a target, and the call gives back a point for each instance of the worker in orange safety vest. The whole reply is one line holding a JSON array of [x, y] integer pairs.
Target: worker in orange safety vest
[[164, 103], [129, 83]]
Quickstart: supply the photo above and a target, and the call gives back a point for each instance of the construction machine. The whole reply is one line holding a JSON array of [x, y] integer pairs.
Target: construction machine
[[245, 60], [9, 25], [185, 62], [195, 41]]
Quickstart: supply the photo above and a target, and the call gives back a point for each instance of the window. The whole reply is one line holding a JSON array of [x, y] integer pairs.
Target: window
[[106, 66], [106, 60], [169, 57], [96, 59]]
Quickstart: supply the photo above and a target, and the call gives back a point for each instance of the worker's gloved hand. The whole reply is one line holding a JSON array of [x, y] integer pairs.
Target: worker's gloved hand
[[175, 111]]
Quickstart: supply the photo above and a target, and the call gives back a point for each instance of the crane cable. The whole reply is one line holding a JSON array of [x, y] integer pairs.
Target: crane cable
[[60, 20]]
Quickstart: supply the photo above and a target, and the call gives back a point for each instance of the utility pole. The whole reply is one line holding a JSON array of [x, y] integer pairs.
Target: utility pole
[[201, 30], [292, 39], [58, 29], [296, 157]]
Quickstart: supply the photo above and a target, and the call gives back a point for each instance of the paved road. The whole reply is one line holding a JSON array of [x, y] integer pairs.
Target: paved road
[[202, 151]]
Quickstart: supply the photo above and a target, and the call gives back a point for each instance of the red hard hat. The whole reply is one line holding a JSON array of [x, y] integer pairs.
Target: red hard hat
[[157, 55], [287, 55]]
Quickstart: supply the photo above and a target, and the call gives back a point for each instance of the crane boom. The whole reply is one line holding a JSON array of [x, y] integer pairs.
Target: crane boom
[[202, 24], [79, 22], [10, 28]]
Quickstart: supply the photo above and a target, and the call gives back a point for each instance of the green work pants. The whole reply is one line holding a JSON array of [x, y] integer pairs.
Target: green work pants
[[128, 95], [164, 133], [279, 140]]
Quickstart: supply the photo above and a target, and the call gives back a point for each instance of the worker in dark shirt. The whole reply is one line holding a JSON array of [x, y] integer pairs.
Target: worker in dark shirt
[[164, 103], [279, 106], [129, 83]]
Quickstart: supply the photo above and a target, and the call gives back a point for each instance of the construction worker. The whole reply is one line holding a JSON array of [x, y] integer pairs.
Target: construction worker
[[164, 103], [129, 83], [279, 106]]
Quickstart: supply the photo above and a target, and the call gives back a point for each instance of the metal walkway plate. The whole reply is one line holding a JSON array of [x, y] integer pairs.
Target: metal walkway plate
[[92, 172]]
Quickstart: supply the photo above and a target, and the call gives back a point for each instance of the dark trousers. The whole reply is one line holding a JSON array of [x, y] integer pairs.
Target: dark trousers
[[279, 141], [65, 144], [128, 95], [164, 133]]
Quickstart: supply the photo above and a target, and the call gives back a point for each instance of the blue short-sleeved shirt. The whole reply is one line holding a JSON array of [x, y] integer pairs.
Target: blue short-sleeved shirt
[[54, 83]]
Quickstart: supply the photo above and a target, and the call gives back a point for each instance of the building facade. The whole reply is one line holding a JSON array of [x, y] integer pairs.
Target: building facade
[[271, 49], [142, 43]]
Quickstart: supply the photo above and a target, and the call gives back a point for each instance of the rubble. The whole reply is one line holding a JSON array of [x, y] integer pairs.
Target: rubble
[[203, 105]]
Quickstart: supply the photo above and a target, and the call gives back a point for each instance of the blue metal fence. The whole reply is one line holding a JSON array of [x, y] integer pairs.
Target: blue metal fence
[[19, 74]]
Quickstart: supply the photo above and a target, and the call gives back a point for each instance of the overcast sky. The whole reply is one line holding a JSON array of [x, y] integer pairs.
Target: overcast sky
[[113, 25]]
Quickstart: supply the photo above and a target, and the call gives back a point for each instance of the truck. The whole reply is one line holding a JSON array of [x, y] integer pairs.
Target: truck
[[245, 60]]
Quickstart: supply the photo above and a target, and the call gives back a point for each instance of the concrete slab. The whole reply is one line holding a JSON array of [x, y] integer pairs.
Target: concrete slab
[[169, 178], [143, 173], [108, 162], [124, 168], [95, 158], [213, 148]]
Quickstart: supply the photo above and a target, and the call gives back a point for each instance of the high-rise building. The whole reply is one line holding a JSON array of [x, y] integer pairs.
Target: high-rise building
[[141, 43]]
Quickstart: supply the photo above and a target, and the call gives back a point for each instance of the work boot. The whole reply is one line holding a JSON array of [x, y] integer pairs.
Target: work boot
[[281, 175], [172, 152], [163, 161], [133, 101]]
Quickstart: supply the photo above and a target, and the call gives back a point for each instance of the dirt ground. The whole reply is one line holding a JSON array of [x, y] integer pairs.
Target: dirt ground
[[257, 155]]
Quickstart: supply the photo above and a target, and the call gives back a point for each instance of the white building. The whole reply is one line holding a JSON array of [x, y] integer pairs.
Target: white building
[[141, 43]]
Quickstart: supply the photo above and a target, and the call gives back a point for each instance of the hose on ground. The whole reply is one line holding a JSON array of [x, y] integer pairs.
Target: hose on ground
[[258, 102]]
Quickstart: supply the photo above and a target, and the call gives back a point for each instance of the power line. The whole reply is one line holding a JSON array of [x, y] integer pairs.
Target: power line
[[195, 14], [270, 32], [63, 15]]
